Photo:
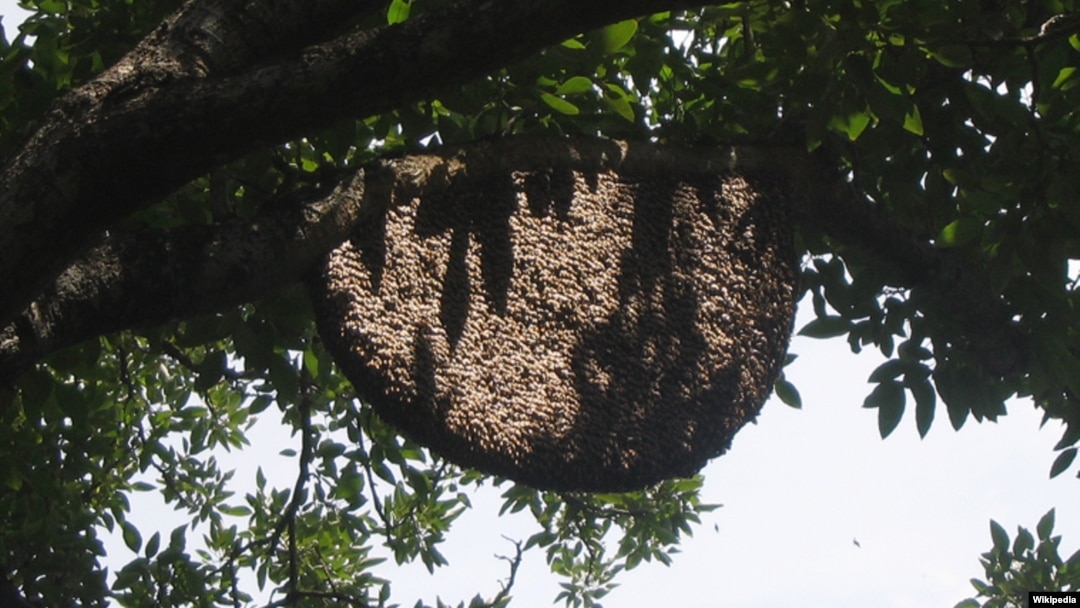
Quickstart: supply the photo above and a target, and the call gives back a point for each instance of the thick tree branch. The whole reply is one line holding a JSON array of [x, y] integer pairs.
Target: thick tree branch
[[148, 278], [219, 37], [216, 37], [51, 186], [107, 151]]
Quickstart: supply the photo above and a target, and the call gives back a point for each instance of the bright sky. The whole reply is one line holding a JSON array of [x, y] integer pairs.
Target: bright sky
[[797, 488]]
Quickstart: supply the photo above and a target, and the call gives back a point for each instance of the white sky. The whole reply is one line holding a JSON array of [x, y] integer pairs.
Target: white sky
[[797, 488]]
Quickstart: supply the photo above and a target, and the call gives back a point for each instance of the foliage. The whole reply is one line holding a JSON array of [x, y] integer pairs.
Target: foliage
[[957, 120], [1011, 572]]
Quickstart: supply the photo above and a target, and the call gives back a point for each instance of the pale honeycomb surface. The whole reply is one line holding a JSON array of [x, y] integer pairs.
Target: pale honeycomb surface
[[569, 331]]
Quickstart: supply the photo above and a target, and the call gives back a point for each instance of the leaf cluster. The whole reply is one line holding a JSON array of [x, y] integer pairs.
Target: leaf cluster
[[590, 538], [1024, 565]]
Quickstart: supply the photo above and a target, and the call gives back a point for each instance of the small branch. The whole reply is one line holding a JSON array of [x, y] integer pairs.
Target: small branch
[[326, 571], [579, 504], [231, 375], [515, 563], [294, 559], [169, 481], [307, 454], [234, 583], [376, 501], [287, 520], [1057, 26]]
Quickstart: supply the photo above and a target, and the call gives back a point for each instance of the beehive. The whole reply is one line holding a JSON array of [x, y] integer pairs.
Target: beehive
[[572, 330]]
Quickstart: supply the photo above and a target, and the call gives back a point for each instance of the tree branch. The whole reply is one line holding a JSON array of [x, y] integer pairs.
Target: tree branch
[[503, 597], [217, 37], [149, 278]]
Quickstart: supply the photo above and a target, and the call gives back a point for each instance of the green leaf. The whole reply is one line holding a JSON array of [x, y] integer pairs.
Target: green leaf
[[52, 6], [999, 536], [888, 398], [349, 487], [1024, 542], [993, 106], [617, 35], [911, 350], [925, 404], [398, 11], [331, 449], [577, 84], [259, 404], [384, 473], [852, 124], [913, 121], [178, 538], [125, 579], [560, 105], [153, 545], [960, 232], [311, 363], [131, 535], [1073, 562], [1062, 462], [211, 370], [621, 106], [1046, 525], [826, 327], [888, 371], [952, 55], [787, 393], [966, 390], [235, 511], [1064, 80]]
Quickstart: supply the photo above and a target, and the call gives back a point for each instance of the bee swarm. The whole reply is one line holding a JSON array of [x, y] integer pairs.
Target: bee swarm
[[572, 330]]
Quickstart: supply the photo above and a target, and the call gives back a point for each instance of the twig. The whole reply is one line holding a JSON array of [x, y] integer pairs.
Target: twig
[[515, 562]]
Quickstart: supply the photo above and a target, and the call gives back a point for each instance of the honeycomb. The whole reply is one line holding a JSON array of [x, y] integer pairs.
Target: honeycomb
[[572, 329]]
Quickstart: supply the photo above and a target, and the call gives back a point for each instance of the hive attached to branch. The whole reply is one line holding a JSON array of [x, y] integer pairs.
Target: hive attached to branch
[[574, 329]]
